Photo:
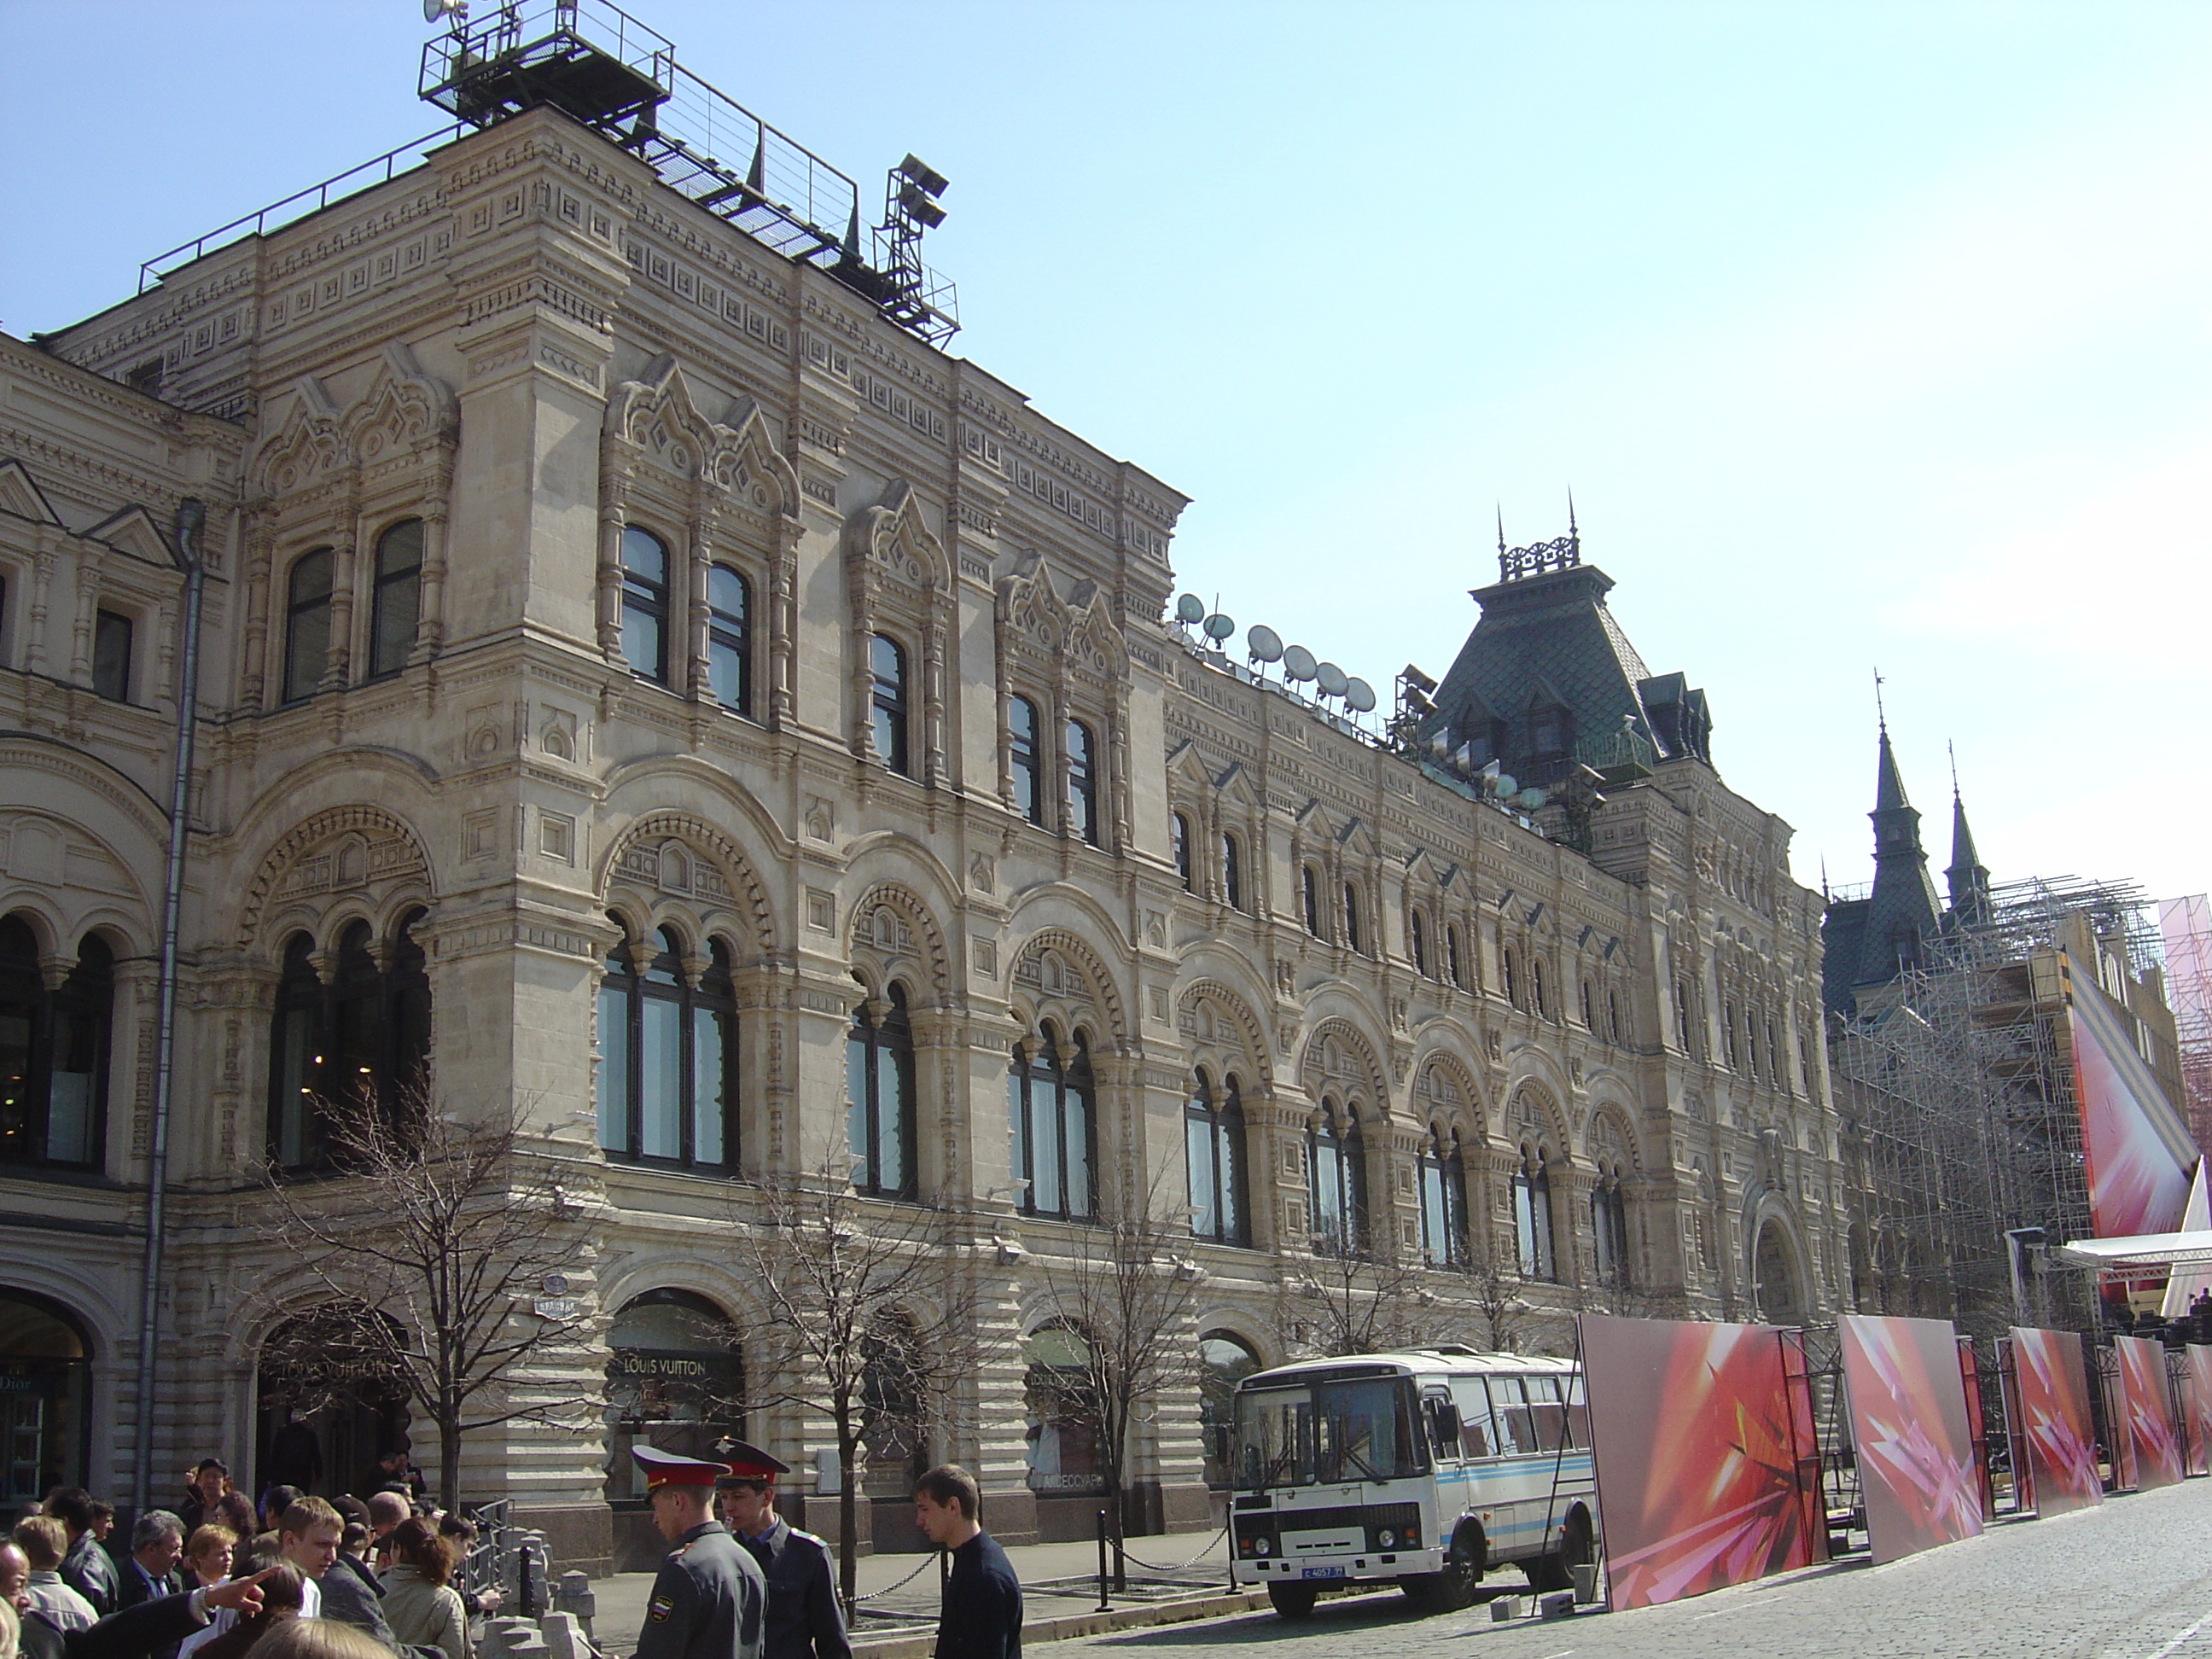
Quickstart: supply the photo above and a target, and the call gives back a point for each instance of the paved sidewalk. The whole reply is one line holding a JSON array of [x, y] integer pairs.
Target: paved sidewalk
[[1056, 1579], [2129, 1580]]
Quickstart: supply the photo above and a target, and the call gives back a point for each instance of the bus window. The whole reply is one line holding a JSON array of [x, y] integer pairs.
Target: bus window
[[1517, 1434], [1550, 1417], [1476, 1438], [1577, 1414], [1443, 1424]]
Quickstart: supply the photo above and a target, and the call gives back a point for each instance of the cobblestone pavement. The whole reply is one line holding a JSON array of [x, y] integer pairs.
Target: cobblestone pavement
[[2129, 1580]]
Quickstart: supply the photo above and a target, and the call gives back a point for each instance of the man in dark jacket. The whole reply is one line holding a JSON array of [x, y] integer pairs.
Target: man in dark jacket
[[157, 1541], [981, 1616], [308, 1538], [706, 1601], [804, 1621], [144, 1630], [87, 1568]]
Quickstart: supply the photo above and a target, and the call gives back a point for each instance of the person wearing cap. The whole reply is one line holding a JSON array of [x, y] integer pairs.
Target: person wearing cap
[[803, 1620], [709, 1596]]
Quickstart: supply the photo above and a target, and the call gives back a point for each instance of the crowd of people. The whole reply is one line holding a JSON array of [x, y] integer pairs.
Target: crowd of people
[[294, 1577], [2194, 1326]]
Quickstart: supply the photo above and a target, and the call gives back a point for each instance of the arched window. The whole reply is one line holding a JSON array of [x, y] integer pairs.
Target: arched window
[[1352, 933], [676, 1381], [1232, 873], [645, 604], [888, 700], [1309, 892], [1179, 846], [307, 624], [1082, 783], [668, 1056], [113, 632], [1589, 1007], [1609, 1228], [1512, 976], [1536, 985], [1532, 1216], [1026, 761], [879, 1106], [1727, 1034], [1224, 1361], [54, 1054], [1061, 1394], [1613, 1016], [1336, 1181], [1213, 1158], [395, 607], [730, 638], [362, 1038], [1444, 1201], [47, 1350], [1455, 968], [1417, 939], [1049, 1109]]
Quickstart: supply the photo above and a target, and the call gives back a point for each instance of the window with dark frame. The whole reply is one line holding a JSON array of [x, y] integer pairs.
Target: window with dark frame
[[668, 1059], [1179, 846], [1609, 1229], [1353, 937], [1417, 942], [1082, 783], [1025, 758], [888, 703], [879, 1102], [1532, 1217], [111, 633], [1309, 893], [1336, 1181], [1454, 968], [1213, 1160], [1232, 873], [1051, 1110], [307, 623], [729, 639], [54, 1054], [1443, 1200], [363, 1037], [396, 598], [645, 604]]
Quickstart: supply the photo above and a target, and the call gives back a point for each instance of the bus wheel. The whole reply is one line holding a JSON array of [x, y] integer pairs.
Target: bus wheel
[[1451, 1590], [1555, 1571], [1293, 1601]]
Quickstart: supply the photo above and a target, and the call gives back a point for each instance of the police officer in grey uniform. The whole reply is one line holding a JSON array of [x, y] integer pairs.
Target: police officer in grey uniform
[[708, 1598], [804, 1620]]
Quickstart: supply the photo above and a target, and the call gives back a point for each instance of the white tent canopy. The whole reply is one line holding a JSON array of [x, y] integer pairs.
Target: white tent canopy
[[2148, 1251]]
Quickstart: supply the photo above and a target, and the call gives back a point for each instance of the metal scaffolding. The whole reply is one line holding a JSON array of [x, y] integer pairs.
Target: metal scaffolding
[[1957, 1084], [2186, 924]]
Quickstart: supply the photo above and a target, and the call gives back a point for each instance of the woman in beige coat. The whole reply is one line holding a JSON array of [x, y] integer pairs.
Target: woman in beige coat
[[420, 1602]]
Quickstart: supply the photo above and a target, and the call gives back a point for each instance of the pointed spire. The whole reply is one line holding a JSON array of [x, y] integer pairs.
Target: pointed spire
[[1889, 794], [1574, 531], [1902, 912], [757, 175], [853, 234], [1501, 530], [1967, 879]]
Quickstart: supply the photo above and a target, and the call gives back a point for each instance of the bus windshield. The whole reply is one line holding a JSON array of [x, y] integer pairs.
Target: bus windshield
[[1327, 1433]]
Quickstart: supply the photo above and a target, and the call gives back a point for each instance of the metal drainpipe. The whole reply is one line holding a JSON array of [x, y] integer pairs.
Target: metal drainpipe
[[191, 515]]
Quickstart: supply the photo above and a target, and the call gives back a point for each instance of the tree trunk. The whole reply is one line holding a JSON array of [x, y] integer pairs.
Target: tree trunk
[[849, 1543], [449, 1461]]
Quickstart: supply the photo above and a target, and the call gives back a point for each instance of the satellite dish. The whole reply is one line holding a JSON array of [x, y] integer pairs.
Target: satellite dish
[[1297, 663], [1504, 784], [1359, 698], [1331, 679], [1218, 627], [1530, 799], [1264, 643], [1189, 608]]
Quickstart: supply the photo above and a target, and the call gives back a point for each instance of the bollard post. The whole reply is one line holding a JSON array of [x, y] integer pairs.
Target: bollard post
[[1104, 1605]]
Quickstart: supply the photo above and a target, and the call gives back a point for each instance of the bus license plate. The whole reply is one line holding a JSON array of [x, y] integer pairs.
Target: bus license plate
[[1322, 1572]]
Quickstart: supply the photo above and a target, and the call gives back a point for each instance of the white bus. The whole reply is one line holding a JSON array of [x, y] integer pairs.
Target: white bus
[[1431, 1466]]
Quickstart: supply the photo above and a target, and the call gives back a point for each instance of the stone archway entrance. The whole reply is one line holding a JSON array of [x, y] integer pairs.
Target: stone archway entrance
[[1779, 1299], [45, 1383]]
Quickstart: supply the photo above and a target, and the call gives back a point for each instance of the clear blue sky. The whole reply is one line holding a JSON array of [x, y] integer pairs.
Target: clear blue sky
[[1862, 333]]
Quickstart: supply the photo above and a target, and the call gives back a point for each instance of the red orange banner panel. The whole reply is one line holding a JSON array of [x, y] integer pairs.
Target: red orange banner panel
[[2143, 1402], [1915, 1450], [1707, 1470], [2139, 1151], [2054, 1409], [2196, 1397]]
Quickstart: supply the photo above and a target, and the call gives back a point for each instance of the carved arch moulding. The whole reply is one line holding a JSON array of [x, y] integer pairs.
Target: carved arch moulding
[[1057, 971], [678, 856], [1211, 1016], [1339, 1055], [341, 851], [891, 929]]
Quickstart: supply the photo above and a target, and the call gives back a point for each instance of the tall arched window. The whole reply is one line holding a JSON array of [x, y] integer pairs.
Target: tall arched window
[[1512, 976], [1353, 938], [645, 604], [54, 1054], [1613, 1016], [1609, 1228], [1082, 783], [1727, 1034], [1309, 897], [1336, 1180], [730, 638], [395, 608], [1232, 873], [1589, 1007], [1417, 941], [307, 624], [363, 1038], [1049, 1109], [1224, 1360], [1444, 1201], [1024, 759], [880, 1105], [888, 702], [1454, 968], [1179, 846], [1537, 987], [668, 1056], [676, 1381], [1532, 1216], [1213, 1156]]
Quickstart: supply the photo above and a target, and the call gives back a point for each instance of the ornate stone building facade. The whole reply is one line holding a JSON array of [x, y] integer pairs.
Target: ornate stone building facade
[[640, 682]]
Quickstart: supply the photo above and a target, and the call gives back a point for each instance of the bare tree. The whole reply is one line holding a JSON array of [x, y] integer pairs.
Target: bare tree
[[1130, 1293], [874, 1320], [1358, 1301], [1493, 1288], [432, 1245]]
